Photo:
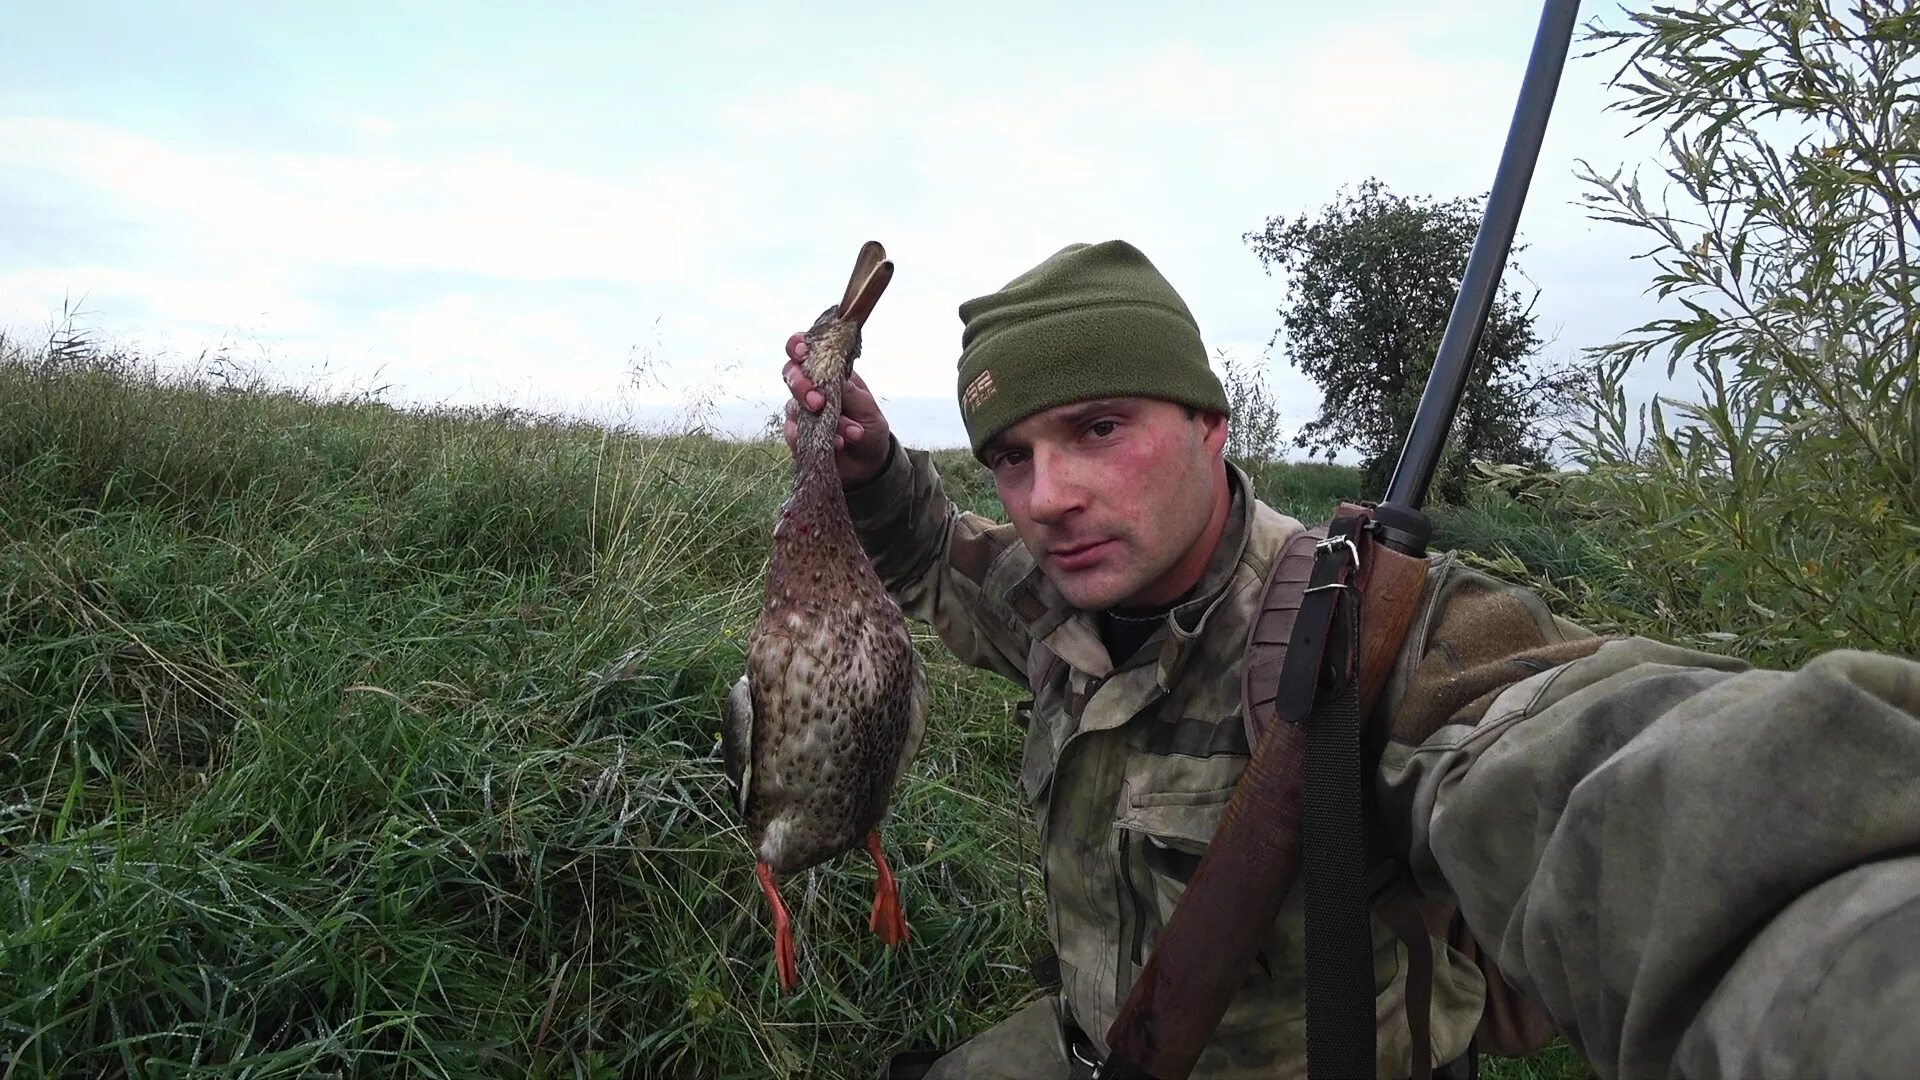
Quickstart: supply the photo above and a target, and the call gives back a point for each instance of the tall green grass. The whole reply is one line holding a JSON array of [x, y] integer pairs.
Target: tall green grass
[[337, 739]]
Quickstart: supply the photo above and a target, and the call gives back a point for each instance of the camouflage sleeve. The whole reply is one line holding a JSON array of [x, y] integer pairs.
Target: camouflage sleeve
[[1697, 868], [933, 558]]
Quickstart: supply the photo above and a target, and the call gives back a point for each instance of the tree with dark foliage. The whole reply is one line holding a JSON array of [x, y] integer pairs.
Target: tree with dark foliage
[[1372, 281]]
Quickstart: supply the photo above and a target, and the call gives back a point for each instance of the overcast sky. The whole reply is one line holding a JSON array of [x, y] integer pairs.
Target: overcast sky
[[467, 202]]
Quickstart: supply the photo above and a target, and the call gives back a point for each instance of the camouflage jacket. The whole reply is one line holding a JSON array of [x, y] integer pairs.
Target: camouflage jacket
[[1128, 769], [1684, 865]]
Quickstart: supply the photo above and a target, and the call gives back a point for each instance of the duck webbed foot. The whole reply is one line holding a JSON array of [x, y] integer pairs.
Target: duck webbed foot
[[783, 954], [889, 919]]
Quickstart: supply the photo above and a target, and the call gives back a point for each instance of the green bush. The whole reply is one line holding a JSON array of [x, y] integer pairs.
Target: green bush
[[1775, 513]]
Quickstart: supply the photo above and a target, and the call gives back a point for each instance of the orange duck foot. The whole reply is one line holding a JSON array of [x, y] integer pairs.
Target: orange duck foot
[[783, 955], [889, 920]]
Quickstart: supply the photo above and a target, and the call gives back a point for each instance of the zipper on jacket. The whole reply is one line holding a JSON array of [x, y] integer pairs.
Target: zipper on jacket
[[1133, 911]]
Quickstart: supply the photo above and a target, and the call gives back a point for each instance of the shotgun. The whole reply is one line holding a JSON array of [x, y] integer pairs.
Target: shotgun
[[1302, 789]]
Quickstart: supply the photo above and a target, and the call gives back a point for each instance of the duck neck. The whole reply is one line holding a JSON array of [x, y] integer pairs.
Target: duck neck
[[817, 497], [814, 447]]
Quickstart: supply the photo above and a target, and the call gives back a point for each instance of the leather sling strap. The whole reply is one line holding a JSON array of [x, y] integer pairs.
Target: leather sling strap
[[1319, 686], [1301, 670], [1282, 670], [1402, 912]]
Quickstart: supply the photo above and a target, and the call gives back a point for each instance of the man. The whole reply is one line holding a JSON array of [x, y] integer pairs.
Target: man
[[1690, 866]]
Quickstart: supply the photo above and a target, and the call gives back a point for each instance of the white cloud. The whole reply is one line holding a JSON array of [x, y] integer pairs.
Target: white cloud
[[240, 296], [483, 214], [733, 224], [367, 124]]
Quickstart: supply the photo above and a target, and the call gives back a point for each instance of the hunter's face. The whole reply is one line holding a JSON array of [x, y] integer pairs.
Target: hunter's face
[[1112, 496]]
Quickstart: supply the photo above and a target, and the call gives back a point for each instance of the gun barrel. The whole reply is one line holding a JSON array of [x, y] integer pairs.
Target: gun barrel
[[1498, 222]]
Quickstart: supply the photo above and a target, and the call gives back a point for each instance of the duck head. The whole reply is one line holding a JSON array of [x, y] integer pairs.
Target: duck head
[[833, 342]]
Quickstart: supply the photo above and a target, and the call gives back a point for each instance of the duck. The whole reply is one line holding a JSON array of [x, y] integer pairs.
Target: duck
[[820, 727]]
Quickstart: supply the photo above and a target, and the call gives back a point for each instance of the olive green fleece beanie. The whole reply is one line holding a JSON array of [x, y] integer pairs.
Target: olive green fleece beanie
[[1093, 320]]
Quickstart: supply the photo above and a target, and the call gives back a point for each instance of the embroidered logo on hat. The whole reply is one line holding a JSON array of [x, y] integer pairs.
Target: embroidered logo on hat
[[979, 390]]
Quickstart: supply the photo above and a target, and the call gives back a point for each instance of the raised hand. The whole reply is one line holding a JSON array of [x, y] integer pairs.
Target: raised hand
[[860, 445]]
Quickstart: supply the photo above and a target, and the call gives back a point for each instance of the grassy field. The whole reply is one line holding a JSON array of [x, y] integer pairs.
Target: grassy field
[[339, 740]]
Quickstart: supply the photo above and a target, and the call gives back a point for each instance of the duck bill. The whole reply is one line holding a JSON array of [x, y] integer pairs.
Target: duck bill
[[871, 273]]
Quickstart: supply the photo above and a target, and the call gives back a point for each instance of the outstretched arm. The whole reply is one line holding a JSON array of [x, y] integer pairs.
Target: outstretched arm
[[1695, 867]]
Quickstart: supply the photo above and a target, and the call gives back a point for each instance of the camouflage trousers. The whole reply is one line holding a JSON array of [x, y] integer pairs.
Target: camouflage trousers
[[1039, 1042], [1029, 1045]]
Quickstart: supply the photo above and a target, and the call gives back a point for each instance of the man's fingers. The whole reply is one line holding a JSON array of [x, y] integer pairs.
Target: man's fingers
[[857, 400], [802, 388], [795, 376]]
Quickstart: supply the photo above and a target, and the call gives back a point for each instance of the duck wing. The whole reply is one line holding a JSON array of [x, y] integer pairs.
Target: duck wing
[[736, 741], [916, 722]]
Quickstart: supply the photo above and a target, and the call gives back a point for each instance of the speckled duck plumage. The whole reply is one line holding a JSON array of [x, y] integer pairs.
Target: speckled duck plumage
[[832, 705]]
